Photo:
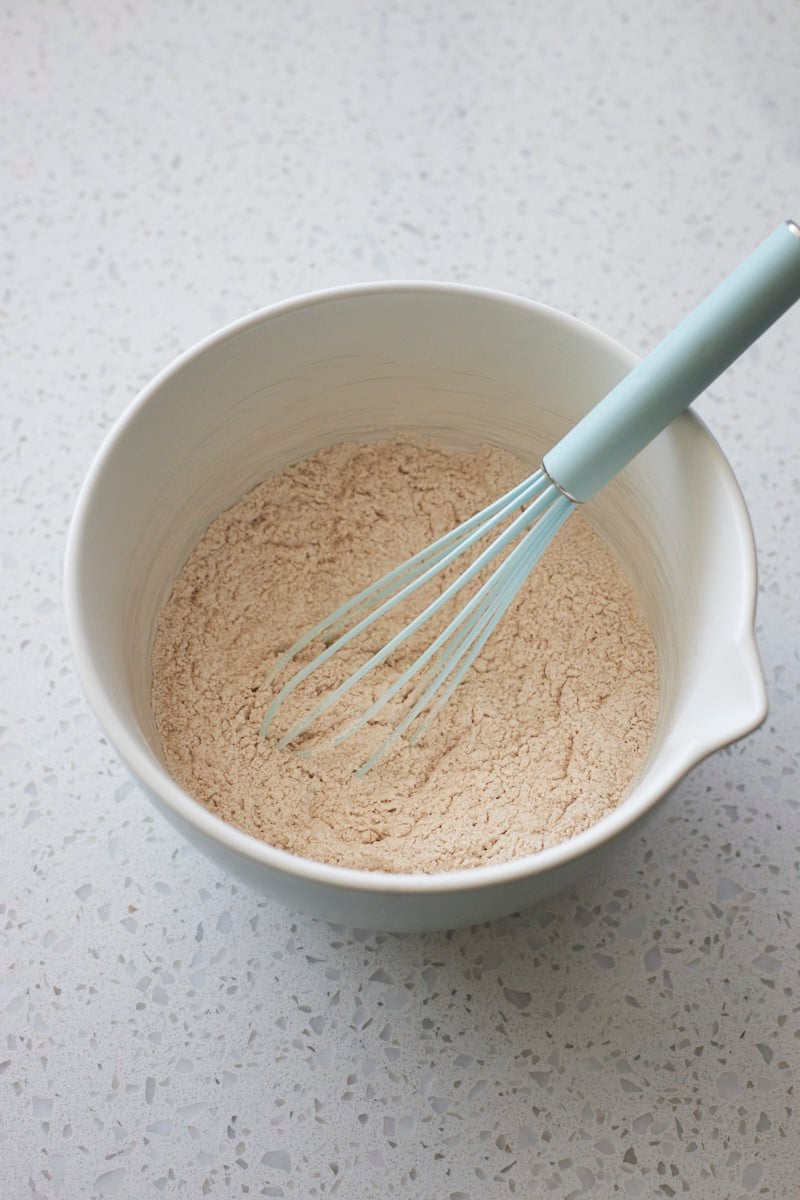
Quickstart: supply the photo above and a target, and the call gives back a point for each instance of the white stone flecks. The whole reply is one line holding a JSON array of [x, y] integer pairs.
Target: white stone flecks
[[165, 1033]]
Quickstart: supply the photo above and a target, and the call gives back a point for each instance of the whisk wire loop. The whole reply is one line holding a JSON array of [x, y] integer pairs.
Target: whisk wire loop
[[540, 502], [436, 554], [440, 658], [408, 577], [455, 660]]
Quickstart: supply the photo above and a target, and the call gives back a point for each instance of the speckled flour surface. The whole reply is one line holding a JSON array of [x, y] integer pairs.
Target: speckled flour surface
[[542, 738], [165, 1033]]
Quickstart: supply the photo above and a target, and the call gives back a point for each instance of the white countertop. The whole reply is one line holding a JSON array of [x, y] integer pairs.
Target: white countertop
[[163, 1032]]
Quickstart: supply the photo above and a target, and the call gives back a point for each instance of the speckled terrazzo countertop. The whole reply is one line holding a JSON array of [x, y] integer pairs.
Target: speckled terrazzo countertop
[[167, 168]]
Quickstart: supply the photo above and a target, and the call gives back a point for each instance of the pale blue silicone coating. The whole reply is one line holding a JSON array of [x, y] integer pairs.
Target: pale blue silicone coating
[[680, 368]]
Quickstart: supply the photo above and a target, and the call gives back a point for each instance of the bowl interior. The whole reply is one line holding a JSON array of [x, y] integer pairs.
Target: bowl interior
[[458, 365]]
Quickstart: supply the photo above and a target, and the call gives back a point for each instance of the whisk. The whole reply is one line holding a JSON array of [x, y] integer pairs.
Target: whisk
[[707, 341]]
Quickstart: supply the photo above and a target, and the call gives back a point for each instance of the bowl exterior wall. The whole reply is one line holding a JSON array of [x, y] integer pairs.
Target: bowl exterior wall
[[462, 366], [388, 911]]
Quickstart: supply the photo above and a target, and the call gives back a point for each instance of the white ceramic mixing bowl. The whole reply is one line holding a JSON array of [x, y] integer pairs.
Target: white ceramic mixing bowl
[[464, 366]]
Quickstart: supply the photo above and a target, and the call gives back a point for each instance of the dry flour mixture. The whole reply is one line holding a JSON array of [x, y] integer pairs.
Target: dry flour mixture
[[545, 735]]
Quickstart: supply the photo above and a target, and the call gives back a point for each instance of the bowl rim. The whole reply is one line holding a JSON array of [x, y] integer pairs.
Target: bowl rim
[[147, 768]]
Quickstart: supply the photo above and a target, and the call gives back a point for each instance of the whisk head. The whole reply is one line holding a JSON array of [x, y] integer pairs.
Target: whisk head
[[521, 525]]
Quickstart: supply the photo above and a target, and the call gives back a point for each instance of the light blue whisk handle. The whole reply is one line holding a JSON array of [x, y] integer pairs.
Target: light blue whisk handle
[[706, 342]]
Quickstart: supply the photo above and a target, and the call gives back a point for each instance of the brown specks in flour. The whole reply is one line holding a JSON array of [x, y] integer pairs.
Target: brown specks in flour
[[545, 735]]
